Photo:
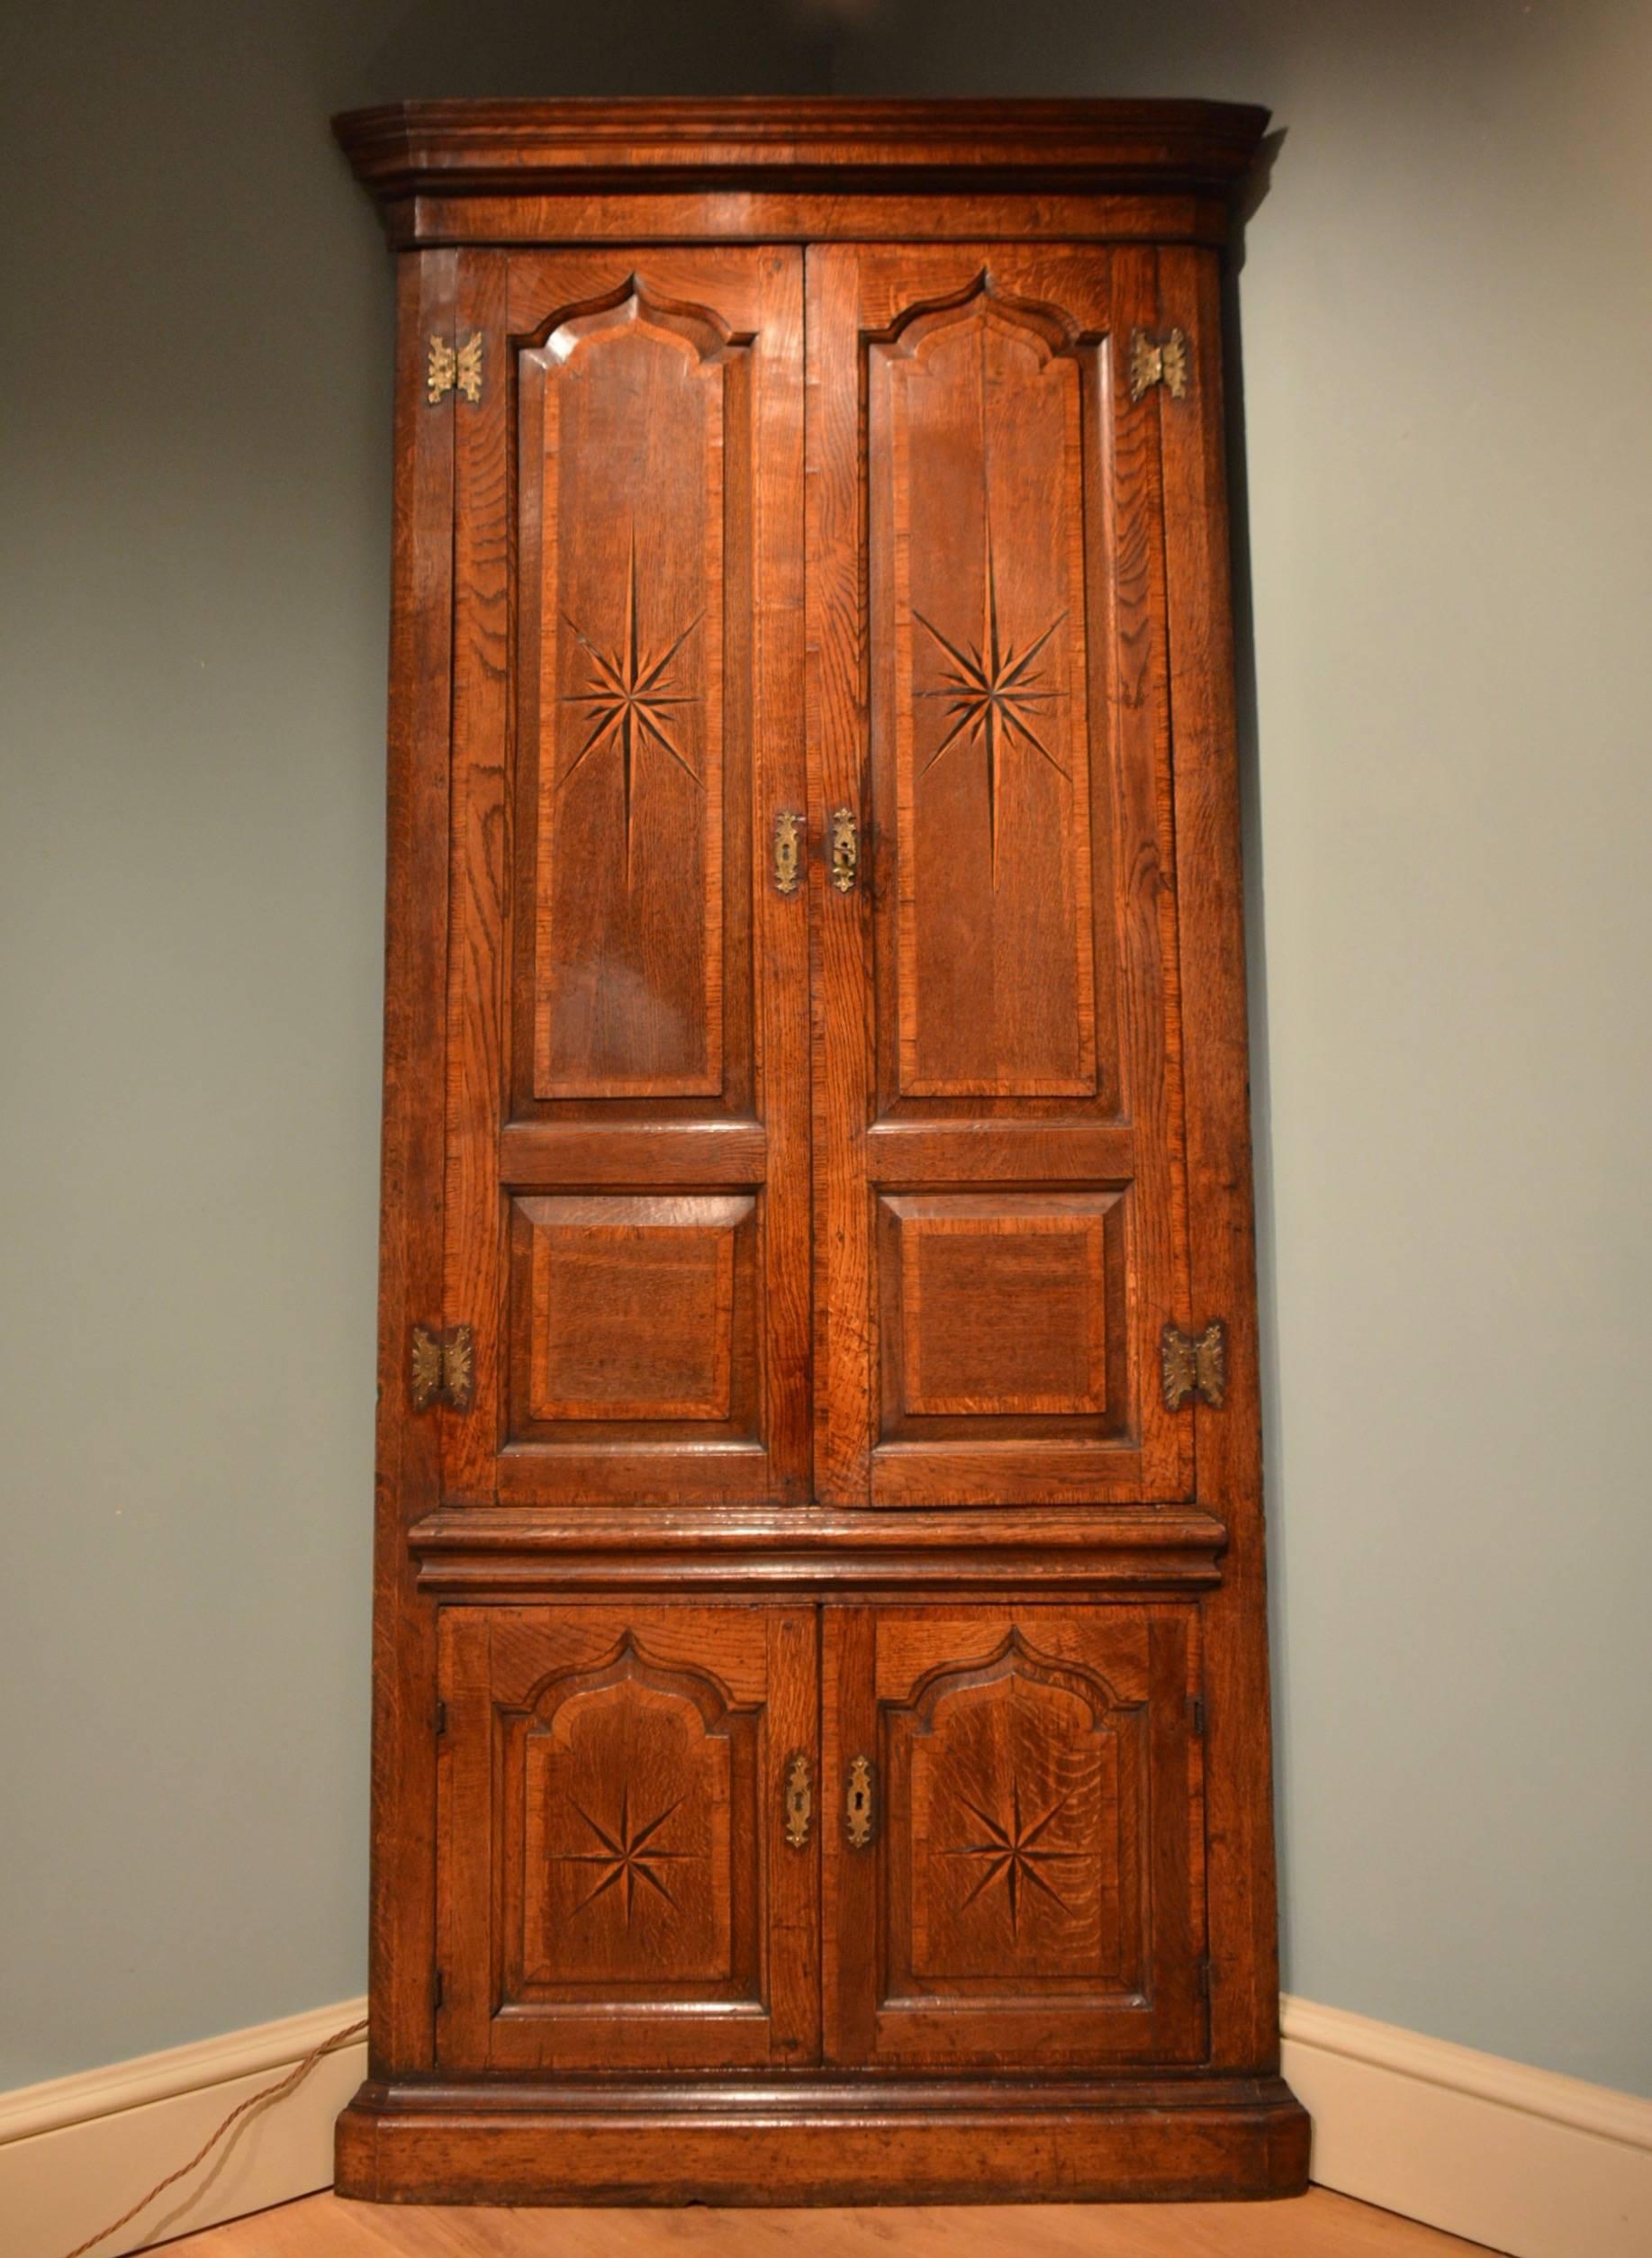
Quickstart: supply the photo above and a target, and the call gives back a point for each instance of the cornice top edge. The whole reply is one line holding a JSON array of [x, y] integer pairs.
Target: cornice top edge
[[503, 148]]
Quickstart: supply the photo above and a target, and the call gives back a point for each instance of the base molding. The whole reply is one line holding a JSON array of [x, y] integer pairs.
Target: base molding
[[837, 2141]]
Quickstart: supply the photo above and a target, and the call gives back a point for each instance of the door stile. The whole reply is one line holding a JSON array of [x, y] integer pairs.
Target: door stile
[[841, 922], [851, 1914], [478, 880], [793, 1877], [1127, 574], [780, 786]]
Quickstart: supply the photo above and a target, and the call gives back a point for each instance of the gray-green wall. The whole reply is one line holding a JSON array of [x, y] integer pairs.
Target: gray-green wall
[[1448, 367]]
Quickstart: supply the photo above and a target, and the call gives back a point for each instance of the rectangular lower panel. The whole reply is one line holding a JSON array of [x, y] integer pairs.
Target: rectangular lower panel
[[633, 1317]]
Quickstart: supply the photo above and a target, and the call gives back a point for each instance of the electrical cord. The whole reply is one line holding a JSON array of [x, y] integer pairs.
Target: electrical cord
[[277, 2092]]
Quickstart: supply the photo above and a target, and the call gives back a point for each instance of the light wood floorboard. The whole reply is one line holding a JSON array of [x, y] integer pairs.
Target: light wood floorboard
[[1318, 2226]]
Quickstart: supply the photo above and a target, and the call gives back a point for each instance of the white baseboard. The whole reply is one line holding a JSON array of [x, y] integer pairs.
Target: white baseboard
[[74, 2152], [1523, 2161]]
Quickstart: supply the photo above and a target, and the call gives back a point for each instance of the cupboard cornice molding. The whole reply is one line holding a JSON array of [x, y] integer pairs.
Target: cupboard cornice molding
[[489, 149]]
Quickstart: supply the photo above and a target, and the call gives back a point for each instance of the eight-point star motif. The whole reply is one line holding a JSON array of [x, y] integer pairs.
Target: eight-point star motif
[[628, 1857], [630, 699], [994, 692], [1013, 1855]]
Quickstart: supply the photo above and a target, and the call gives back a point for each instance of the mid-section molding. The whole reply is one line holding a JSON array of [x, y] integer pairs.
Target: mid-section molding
[[489, 1550]]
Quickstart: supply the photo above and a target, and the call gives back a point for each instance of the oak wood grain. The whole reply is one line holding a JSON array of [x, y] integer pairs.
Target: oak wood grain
[[623, 978], [759, 211], [610, 1846], [481, 147]]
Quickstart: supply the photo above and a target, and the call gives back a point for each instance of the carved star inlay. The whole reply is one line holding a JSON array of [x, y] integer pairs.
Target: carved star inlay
[[630, 698], [993, 693], [628, 1857], [1012, 1854]]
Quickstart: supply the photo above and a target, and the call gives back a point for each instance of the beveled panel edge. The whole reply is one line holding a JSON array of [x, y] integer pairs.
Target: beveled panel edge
[[484, 1551], [557, 1155], [401, 150]]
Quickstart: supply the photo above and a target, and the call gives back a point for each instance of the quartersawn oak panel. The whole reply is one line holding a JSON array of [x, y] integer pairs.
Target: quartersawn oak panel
[[626, 412], [974, 457], [632, 1311], [1034, 1891], [998, 1304], [612, 1855], [1034, 1884]]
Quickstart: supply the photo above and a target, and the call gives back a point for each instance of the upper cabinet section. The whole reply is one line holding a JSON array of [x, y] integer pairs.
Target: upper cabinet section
[[540, 172]]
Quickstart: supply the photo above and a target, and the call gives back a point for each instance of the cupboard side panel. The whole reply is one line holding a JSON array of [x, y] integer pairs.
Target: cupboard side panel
[[401, 1890], [1244, 1966]]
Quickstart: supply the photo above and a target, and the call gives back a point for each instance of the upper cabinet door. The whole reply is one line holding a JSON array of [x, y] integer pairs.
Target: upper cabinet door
[[626, 1204], [1001, 1205]]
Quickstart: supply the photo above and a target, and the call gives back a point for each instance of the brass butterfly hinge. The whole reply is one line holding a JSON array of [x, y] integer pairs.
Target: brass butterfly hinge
[[1158, 361], [454, 368], [1194, 1364], [800, 1804], [859, 1811], [443, 1368]]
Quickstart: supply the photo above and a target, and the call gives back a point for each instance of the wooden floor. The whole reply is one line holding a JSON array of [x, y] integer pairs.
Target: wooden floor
[[1318, 2225]]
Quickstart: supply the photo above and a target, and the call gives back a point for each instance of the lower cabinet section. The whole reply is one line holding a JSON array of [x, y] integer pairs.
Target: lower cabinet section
[[669, 1836], [748, 1900]]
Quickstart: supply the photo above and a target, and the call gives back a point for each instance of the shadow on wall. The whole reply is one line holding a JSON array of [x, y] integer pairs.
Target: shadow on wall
[[623, 47]]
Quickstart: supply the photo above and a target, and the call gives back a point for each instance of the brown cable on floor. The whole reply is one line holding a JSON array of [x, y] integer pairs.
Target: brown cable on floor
[[277, 2092]]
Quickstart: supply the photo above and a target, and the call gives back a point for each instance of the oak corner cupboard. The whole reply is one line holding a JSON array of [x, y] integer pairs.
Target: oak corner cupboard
[[821, 1738]]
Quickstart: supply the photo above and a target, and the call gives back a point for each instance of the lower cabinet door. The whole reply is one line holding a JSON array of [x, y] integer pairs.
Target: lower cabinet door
[[619, 1884], [1013, 1836]]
